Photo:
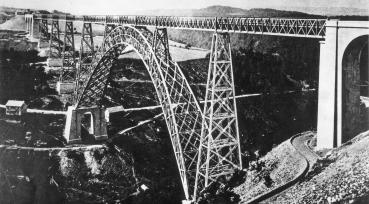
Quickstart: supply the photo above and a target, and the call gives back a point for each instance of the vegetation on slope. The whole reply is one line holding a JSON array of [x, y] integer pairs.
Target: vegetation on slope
[[20, 77]]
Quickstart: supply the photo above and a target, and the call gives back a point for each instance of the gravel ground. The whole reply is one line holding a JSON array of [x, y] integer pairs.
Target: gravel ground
[[340, 177]]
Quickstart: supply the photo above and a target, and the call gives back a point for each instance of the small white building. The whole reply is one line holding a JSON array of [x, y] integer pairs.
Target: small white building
[[13, 107]]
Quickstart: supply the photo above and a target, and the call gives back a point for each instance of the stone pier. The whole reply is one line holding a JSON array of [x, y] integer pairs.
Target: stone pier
[[74, 123], [340, 55]]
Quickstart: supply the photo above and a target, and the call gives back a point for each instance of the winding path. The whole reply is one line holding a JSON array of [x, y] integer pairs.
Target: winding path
[[300, 144], [309, 157]]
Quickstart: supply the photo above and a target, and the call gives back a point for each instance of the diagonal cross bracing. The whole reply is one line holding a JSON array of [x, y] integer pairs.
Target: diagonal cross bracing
[[43, 30], [294, 27], [68, 73], [55, 43], [86, 54], [219, 152]]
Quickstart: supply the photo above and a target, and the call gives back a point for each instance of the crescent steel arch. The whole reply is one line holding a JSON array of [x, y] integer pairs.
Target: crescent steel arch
[[182, 112]]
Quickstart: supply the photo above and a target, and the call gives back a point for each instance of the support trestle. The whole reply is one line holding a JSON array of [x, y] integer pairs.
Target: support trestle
[[67, 77], [219, 152], [86, 54], [68, 73], [44, 34], [55, 44]]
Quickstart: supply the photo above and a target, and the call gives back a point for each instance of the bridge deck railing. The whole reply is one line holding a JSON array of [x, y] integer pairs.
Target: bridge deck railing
[[312, 28]]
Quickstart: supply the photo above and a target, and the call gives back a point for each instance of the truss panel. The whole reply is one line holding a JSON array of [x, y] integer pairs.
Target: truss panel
[[44, 31], [86, 54], [55, 45], [219, 152], [161, 44], [68, 73]]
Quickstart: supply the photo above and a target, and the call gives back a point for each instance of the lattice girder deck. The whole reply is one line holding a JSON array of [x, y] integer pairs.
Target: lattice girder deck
[[294, 27], [181, 110]]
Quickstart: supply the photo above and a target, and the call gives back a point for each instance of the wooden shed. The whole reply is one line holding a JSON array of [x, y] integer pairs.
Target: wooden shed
[[13, 107]]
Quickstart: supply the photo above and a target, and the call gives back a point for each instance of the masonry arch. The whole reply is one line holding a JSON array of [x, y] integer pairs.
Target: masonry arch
[[355, 88], [182, 112], [87, 121]]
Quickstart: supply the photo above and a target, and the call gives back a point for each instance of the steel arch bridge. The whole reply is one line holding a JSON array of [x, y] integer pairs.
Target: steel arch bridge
[[205, 142], [205, 139], [181, 110]]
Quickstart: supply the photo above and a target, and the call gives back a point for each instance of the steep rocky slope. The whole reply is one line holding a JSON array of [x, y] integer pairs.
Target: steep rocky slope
[[340, 177], [277, 167]]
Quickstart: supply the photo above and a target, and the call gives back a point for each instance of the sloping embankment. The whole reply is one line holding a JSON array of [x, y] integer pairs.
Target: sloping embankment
[[341, 177], [281, 165], [15, 23]]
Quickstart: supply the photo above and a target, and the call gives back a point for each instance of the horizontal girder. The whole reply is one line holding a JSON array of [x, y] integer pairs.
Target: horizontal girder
[[310, 28]]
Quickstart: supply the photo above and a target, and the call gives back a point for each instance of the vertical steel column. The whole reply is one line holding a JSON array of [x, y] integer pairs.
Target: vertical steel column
[[55, 42], [219, 152], [86, 53], [44, 31], [87, 42], [68, 73]]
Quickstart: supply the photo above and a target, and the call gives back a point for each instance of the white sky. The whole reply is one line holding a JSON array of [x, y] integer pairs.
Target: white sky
[[122, 6]]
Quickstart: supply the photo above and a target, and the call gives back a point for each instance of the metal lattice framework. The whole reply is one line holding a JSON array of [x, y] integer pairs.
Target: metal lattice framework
[[161, 44], [43, 30], [220, 151], [205, 143], [181, 110], [310, 28], [86, 54], [68, 73], [108, 28], [55, 42]]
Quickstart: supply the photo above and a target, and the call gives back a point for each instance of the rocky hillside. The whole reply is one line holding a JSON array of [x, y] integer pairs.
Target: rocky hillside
[[270, 171], [15, 23], [93, 174], [342, 176]]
